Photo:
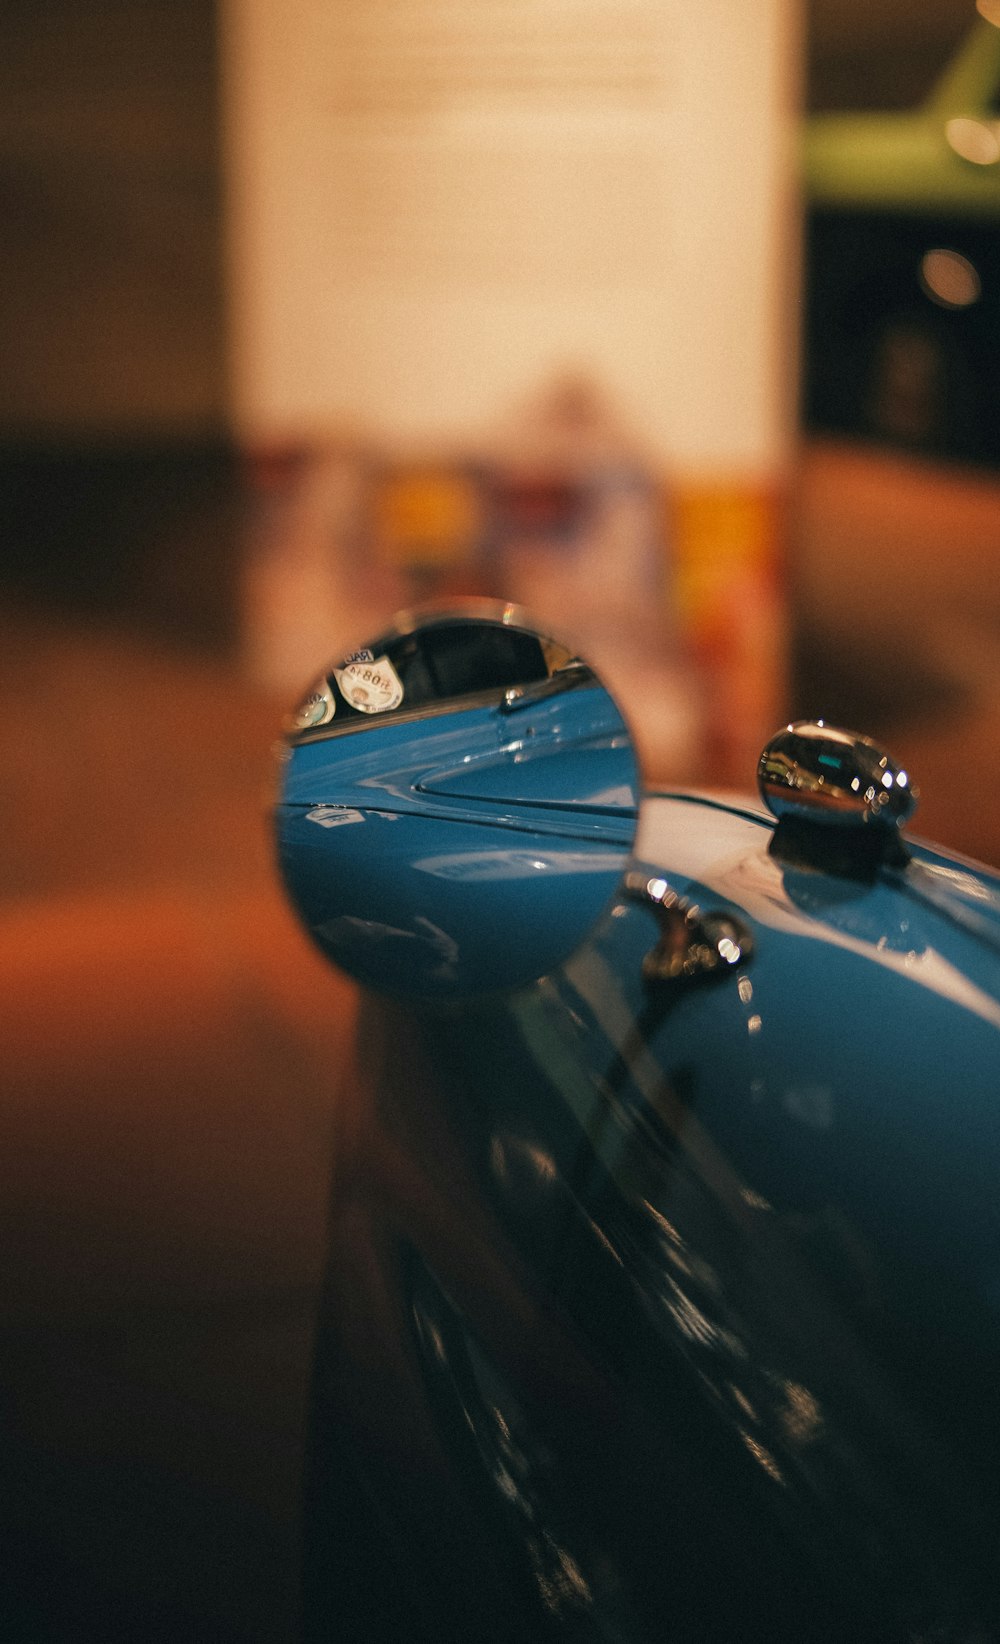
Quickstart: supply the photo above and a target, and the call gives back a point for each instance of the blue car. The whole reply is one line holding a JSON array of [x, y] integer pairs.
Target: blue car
[[664, 1264]]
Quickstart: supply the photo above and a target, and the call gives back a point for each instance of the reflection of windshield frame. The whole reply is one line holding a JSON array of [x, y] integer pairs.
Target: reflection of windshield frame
[[573, 676], [426, 664]]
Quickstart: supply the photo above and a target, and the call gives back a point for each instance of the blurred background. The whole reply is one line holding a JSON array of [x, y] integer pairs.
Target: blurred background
[[679, 324]]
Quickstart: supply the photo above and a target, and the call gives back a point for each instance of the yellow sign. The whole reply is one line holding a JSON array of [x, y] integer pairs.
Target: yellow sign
[[427, 517]]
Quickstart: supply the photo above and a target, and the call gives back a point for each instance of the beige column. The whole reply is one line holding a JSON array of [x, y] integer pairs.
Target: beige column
[[435, 209]]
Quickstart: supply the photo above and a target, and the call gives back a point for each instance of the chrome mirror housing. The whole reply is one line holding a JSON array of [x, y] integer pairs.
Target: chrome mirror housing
[[817, 773], [839, 800], [457, 804]]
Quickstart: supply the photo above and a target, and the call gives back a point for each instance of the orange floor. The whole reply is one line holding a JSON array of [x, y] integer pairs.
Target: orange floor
[[170, 1055]]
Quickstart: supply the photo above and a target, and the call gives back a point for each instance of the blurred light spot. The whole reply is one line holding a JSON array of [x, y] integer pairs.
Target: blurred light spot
[[764, 1457], [754, 1024], [743, 1402], [436, 1341], [990, 9], [507, 1485], [690, 1320], [745, 989], [803, 1417], [661, 1221], [973, 140], [964, 883], [812, 1105], [949, 278]]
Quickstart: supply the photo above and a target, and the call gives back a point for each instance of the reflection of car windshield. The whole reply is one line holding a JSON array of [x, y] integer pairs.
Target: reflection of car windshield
[[463, 659], [434, 665]]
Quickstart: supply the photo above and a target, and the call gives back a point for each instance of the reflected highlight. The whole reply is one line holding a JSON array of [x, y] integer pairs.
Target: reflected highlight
[[949, 279]]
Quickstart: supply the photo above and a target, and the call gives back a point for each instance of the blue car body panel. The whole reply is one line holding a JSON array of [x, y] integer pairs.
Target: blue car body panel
[[572, 745], [449, 847], [652, 1312]]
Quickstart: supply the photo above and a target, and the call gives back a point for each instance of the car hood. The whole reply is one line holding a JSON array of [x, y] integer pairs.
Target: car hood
[[936, 918]]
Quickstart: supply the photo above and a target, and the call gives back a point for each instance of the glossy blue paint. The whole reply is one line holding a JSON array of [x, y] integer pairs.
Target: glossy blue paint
[[771, 1208], [461, 850], [570, 755], [656, 1310], [856, 1059], [760, 1220]]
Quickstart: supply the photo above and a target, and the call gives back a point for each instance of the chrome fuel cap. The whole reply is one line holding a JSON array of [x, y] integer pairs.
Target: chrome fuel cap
[[814, 773]]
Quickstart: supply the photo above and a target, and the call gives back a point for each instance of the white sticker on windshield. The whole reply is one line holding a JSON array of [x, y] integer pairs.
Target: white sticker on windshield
[[372, 687], [317, 709]]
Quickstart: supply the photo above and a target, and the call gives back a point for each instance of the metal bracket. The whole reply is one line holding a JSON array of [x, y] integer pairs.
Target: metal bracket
[[692, 946]]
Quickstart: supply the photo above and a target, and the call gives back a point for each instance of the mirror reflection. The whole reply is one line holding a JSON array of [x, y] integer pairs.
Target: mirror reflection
[[458, 802]]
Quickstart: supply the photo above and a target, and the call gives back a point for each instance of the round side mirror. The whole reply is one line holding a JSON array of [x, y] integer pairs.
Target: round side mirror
[[458, 802]]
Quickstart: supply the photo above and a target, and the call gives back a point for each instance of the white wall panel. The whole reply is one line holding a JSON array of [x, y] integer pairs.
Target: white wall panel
[[435, 207]]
